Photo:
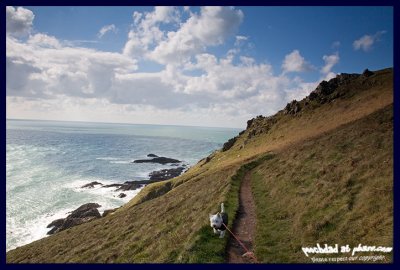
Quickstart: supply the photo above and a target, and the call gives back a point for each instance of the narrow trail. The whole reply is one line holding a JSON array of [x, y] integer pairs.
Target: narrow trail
[[244, 226]]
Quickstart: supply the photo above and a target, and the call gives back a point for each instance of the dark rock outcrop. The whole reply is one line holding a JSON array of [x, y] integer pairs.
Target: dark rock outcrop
[[292, 108], [56, 223], [327, 91], [262, 125], [367, 73], [86, 210], [82, 214], [228, 145], [249, 123], [152, 155], [128, 185], [91, 184], [165, 174], [160, 160], [122, 195]]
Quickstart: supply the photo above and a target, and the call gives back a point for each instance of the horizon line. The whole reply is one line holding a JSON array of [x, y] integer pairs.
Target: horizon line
[[118, 123]]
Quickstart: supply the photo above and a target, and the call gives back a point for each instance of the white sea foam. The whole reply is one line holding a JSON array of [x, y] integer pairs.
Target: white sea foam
[[27, 231], [121, 162], [107, 197], [107, 158]]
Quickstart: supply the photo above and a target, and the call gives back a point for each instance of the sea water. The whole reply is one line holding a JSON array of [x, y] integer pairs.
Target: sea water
[[47, 163]]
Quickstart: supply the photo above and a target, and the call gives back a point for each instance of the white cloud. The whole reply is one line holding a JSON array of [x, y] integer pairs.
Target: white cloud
[[299, 89], [193, 86], [192, 37], [195, 35], [42, 68], [18, 21], [43, 40], [165, 14], [146, 31], [330, 61], [366, 42], [240, 39], [294, 62], [137, 16], [106, 84], [105, 29]]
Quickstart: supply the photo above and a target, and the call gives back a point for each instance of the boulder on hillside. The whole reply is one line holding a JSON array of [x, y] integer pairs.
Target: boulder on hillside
[[327, 90], [292, 108], [249, 123], [228, 145], [367, 73]]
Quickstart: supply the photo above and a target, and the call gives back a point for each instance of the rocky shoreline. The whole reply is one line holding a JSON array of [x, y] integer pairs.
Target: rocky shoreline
[[88, 212]]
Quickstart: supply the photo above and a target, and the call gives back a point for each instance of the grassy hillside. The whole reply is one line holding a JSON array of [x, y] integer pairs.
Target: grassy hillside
[[168, 221], [337, 188]]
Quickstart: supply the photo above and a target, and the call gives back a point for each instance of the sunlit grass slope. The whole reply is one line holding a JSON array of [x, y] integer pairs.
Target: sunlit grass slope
[[298, 151]]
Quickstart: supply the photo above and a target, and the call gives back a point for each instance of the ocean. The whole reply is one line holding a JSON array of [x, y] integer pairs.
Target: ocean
[[47, 163]]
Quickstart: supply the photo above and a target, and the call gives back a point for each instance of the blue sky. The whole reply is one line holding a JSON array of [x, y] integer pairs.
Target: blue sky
[[214, 66]]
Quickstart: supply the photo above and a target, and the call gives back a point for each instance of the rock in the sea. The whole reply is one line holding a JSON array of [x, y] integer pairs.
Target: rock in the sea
[[82, 214], [160, 160], [91, 184], [122, 195], [128, 185], [152, 155], [88, 209], [165, 174], [56, 223]]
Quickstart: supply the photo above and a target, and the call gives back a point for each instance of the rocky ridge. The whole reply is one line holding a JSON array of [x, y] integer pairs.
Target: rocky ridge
[[326, 91]]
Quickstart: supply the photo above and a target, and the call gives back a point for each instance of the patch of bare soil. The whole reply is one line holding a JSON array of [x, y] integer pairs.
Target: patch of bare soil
[[244, 226]]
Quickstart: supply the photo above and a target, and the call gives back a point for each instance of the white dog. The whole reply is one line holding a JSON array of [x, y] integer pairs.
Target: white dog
[[218, 220]]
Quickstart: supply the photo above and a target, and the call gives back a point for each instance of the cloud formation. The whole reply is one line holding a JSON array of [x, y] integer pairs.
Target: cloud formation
[[193, 86], [105, 29], [330, 61], [294, 62], [366, 42], [192, 37], [18, 21]]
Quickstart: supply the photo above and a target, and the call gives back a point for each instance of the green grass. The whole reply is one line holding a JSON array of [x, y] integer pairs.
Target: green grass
[[208, 247], [336, 188]]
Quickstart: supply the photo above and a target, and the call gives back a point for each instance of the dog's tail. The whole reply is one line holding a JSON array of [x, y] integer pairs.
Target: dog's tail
[[222, 208]]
